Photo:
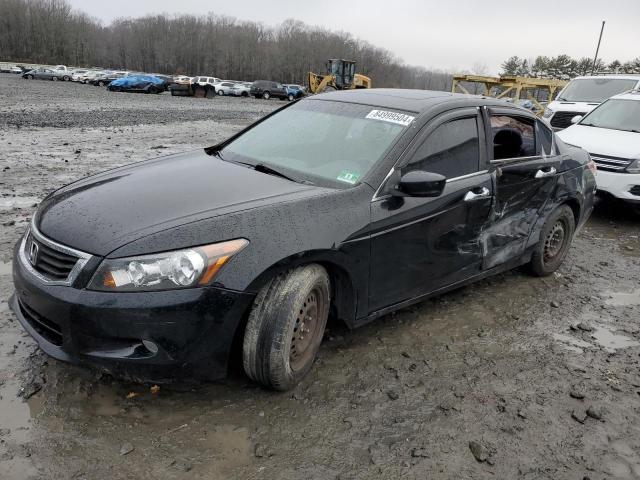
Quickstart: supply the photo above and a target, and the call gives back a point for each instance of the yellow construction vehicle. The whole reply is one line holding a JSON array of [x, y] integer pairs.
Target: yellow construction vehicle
[[341, 75]]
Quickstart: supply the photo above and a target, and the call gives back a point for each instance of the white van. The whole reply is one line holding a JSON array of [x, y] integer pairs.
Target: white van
[[583, 94]]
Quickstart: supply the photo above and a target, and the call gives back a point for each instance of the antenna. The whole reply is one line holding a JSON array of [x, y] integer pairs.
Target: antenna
[[593, 67]]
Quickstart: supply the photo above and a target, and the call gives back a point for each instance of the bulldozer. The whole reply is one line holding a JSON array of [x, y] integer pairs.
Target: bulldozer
[[341, 75]]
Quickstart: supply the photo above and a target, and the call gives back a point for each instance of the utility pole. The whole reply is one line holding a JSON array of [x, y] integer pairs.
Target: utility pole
[[593, 67]]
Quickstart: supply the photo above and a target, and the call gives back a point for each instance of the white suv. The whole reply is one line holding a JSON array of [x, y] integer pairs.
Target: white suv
[[611, 134], [583, 94]]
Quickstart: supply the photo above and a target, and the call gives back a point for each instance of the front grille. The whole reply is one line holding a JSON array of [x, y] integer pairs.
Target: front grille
[[635, 190], [563, 119], [610, 164], [49, 329], [50, 262]]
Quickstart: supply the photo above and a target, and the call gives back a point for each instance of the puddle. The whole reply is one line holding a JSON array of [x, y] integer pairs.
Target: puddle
[[621, 299], [611, 341], [17, 202], [5, 268], [571, 343]]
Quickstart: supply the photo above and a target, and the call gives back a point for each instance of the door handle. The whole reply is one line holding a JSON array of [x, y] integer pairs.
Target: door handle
[[546, 172], [470, 196]]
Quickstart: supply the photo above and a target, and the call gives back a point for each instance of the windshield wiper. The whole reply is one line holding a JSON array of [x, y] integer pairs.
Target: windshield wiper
[[261, 167]]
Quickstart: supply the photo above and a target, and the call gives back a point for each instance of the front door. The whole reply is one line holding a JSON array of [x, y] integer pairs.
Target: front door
[[419, 245], [526, 169]]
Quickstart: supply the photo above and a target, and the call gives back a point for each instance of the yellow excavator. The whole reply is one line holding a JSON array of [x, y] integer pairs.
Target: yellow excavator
[[341, 75]]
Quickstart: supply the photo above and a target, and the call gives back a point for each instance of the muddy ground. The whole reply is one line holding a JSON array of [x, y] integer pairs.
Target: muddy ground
[[510, 365]]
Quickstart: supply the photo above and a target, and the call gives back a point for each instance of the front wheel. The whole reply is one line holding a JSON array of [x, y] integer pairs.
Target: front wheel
[[266, 95], [220, 92], [54, 79], [66, 78], [555, 240], [285, 327], [290, 97]]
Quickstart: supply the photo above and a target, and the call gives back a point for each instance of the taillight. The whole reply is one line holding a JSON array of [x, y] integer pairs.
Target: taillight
[[592, 166]]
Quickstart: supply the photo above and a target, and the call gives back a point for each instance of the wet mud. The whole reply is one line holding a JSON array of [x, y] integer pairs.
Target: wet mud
[[512, 377]]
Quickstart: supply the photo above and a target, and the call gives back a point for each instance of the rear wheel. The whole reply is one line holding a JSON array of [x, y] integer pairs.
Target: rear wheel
[[554, 243], [66, 78], [220, 92], [285, 327], [54, 79], [30, 77], [290, 97], [101, 84], [266, 95]]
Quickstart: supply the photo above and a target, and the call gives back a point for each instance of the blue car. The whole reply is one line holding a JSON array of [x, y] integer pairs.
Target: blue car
[[294, 92], [138, 83]]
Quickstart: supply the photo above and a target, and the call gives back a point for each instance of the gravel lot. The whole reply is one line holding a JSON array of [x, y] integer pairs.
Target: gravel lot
[[513, 377]]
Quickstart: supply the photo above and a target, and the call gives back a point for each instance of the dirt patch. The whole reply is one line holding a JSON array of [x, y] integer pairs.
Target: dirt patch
[[489, 381]]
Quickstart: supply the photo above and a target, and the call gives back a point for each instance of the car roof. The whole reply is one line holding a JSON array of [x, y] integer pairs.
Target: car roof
[[617, 76], [417, 101], [633, 95]]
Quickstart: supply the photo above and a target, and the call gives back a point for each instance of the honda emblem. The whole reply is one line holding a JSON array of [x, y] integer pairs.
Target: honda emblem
[[33, 253]]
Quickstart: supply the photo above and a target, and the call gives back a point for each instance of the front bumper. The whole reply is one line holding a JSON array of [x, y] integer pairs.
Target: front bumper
[[620, 185], [146, 336]]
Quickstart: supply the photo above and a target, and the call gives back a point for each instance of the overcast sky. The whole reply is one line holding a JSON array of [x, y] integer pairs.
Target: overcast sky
[[447, 34]]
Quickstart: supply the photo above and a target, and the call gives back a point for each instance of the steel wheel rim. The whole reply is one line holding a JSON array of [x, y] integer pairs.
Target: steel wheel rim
[[554, 242], [306, 330]]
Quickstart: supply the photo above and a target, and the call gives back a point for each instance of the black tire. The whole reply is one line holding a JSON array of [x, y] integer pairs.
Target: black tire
[[66, 78], [266, 95], [245, 94], [555, 240], [54, 79], [291, 97], [30, 77], [101, 83], [276, 353], [220, 92]]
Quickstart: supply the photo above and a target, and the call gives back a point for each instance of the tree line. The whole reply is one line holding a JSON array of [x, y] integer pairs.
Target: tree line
[[52, 32], [564, 67]]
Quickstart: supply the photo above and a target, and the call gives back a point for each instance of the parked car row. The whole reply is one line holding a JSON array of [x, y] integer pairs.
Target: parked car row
[[179, 85]]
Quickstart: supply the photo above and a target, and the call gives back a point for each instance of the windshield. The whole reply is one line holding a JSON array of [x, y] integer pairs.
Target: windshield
[[595, 90], [616, 114], [326, 143]]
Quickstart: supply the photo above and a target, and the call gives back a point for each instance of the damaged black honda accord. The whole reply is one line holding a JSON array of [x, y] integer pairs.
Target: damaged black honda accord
[[347, 204]]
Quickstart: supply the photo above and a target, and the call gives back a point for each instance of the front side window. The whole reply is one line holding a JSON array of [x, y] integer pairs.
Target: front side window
[[616, 114], [327, 143], [595, 89], [513, 137], [452, 150]]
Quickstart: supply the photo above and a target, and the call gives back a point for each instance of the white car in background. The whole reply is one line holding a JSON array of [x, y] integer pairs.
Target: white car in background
[[224, 88], [204, 81], [583, 94], [611, 135], [77, 75], [241, 89]]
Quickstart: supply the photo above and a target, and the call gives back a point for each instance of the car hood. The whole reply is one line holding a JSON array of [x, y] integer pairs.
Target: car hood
[[603, 141], [565, 106], [104, 212]]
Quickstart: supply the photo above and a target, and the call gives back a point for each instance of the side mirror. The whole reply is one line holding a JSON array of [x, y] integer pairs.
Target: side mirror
[[576, 119], [418, 183]]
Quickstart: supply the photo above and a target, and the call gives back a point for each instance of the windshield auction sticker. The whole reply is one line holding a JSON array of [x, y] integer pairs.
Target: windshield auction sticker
[[348, 177], [392, 117]]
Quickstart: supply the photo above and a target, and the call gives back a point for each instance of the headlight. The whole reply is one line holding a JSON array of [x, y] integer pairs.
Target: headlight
[[165, 271], [547, 113], [634, 167]]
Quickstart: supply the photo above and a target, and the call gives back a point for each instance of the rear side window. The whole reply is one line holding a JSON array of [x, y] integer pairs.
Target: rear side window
[[452, 150], [545, 139], [513, 137]]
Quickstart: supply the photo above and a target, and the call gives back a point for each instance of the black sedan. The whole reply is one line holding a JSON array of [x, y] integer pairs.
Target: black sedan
[[351, 204]]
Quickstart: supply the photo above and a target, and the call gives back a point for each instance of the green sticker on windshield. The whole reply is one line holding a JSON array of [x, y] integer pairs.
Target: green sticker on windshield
[[348, 177]]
